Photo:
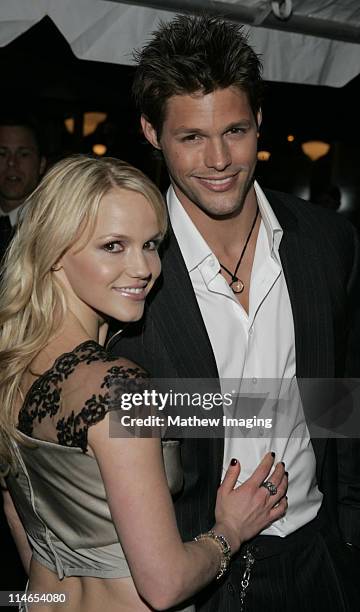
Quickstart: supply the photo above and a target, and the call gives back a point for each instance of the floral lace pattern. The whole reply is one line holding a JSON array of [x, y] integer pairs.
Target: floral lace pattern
[[44, 396]]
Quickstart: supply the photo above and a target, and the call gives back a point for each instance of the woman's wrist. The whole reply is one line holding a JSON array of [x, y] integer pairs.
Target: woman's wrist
[[231, 535], [223, 546]]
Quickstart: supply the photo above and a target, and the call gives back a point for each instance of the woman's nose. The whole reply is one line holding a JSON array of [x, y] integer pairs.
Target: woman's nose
[[139, 266]]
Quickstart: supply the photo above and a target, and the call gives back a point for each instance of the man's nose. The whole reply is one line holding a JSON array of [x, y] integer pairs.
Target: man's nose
[[11, 159], [217, 155]]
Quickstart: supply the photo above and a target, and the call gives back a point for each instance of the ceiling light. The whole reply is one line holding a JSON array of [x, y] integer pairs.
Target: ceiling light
[[70, 124], [315, 149], [99, 149], [91, 121], [263, 155]]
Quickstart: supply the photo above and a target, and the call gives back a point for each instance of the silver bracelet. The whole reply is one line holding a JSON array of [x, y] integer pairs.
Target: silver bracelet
[[223, 546]]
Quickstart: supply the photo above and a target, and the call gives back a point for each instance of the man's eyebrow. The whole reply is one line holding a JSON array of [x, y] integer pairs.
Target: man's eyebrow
[[245, 123], [18, 148], [27, 148], [188, 130]]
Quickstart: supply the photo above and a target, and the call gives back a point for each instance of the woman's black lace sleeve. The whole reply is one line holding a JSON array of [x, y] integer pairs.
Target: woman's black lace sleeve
[[93, 390]]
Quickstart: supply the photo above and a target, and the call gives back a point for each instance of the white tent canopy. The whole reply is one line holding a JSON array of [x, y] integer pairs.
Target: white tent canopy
[[107, 31]]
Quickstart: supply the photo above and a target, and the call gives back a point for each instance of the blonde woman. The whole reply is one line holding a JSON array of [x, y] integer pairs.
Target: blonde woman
[[92, 515]]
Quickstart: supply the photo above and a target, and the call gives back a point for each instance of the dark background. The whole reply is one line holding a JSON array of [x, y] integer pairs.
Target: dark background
[[41, 76]]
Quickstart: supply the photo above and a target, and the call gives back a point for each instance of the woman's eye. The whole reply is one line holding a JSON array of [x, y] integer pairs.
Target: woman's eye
[[113, 247], [237, 130], [152, 245]]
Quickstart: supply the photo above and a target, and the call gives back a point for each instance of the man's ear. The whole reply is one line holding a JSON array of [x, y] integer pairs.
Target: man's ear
[[259, 118], [149, 132]]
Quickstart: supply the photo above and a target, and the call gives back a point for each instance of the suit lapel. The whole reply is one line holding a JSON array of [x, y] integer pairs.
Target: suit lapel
[[175, 308], [309, 297], [310, 305]]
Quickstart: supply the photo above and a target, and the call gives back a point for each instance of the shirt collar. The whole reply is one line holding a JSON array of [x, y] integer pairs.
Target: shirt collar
[[272, 226], [193, 246], [14, 215]]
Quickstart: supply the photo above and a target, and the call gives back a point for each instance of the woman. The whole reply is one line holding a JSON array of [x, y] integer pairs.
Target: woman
[[86, 251]]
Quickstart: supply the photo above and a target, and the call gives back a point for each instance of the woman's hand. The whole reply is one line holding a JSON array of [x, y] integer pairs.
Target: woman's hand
[[243, 512]]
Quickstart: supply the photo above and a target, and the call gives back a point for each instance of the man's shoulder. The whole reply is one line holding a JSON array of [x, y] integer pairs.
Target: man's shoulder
[[299, 207], [307, 217]]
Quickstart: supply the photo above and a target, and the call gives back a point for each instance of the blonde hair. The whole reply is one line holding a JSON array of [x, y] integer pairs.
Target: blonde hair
[[32, 300]]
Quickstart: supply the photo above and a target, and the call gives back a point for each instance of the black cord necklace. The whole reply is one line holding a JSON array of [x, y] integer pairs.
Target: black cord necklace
[[236, 284]]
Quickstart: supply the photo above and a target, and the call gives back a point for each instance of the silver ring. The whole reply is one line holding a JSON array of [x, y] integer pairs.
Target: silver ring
[[269, 486]]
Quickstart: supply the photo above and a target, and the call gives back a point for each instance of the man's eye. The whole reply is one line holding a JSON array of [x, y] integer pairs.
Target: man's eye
[[113, 247], [191, 137]]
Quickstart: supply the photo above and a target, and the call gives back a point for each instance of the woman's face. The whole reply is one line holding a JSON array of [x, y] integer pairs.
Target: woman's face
[[113, 273]]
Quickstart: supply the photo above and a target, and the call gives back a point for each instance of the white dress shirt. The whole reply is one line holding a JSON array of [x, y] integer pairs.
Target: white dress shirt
[[255, 357]]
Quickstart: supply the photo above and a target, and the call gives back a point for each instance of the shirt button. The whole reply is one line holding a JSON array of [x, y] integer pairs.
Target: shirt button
[[251, 330], [212, 262]]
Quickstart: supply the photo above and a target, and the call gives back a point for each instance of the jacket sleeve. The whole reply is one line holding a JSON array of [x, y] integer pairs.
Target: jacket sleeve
[[348, 449]]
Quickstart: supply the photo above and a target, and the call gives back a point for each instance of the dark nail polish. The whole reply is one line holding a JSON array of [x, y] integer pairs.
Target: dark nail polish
[[233, 462], [286, 473], [273, 454], [282, 463]]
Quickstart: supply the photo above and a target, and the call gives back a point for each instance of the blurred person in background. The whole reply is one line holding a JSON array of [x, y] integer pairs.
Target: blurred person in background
[[21, 167]]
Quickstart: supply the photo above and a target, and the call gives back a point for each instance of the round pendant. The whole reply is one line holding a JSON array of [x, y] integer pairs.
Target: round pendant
[[237, 286]]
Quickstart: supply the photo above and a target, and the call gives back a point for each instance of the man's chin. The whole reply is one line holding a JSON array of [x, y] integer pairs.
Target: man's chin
[[223, 208], [13, 197], [226, 205]]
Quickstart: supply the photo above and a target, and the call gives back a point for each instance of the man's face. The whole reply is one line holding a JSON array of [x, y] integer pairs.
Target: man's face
[[20, 165], [209, 143]]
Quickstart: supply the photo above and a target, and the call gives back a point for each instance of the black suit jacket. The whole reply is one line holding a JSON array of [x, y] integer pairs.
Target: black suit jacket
[[319, 255], [6, 235]]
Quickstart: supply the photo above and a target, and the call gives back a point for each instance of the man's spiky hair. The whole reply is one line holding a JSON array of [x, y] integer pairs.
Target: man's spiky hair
[[191, 54]]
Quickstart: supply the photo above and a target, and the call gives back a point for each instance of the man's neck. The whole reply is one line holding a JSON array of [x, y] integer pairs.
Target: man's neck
[[225, 234]]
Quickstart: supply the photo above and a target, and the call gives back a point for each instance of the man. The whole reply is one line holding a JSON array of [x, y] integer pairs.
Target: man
[[249, 291], [21, 166]]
